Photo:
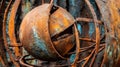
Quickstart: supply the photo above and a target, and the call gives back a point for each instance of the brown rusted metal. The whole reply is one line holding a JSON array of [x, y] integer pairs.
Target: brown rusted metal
[[46, 33], [11, 26], [111, 18], [37, 28], [66, 42], [60, 20], [87, 20], [5, 36]]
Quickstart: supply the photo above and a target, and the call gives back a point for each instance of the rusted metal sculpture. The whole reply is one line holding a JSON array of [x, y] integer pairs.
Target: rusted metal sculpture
[[43, 23], [49, 32]]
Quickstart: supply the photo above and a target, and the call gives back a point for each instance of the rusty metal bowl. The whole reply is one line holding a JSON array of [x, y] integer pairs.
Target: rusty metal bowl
[[46, 32]]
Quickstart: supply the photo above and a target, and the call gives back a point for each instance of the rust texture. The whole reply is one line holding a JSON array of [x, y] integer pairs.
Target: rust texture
[[111, 18], [5, 37], [12, 28], [36, 38], [61, 33]]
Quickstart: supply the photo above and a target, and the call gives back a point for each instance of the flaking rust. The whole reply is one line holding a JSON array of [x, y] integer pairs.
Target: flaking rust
[[46, 32]]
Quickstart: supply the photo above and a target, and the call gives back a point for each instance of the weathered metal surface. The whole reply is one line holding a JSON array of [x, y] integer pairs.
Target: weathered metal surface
[[111, 17], [35, 34], [11, 26], [64, 45], [59, 21]]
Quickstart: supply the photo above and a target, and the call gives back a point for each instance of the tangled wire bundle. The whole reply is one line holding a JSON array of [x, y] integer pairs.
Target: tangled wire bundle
[[50, 33]]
